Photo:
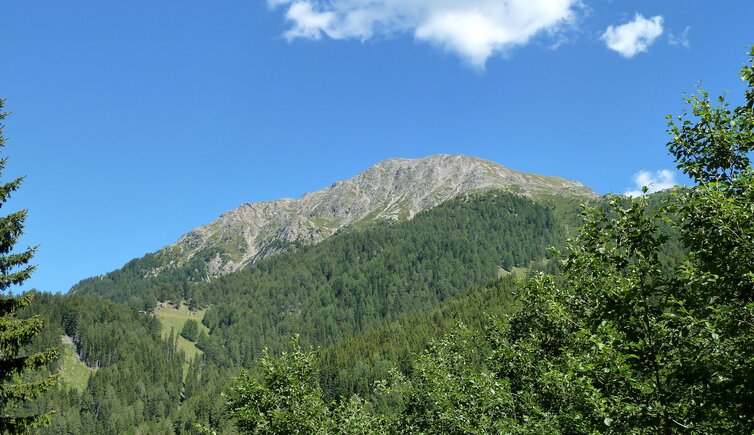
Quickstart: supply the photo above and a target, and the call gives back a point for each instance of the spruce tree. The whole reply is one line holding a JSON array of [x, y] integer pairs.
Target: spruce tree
[[17, 386]]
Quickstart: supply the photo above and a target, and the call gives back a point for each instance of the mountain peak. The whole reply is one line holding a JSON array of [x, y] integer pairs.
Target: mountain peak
[[393, 189]]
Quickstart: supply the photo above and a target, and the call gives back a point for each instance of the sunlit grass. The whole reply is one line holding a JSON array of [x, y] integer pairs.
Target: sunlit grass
[[73, 371], [172, 318]]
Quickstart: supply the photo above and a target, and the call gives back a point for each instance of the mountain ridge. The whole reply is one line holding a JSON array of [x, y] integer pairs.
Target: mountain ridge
[[393, 189]]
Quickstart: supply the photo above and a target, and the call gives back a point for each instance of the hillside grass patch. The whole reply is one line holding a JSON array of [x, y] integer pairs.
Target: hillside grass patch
[[175, 318], [74, 373]]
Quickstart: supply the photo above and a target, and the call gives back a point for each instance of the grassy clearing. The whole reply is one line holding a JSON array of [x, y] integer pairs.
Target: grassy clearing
[[172, 318], [520, 271], [73, 371]]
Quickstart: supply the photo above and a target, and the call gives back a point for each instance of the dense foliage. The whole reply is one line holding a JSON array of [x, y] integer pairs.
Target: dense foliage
[[353, 365], [357, 281], [134, 284], [136, 377]]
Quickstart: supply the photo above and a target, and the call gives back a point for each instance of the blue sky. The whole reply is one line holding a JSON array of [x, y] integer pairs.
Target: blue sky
[[136, 121]]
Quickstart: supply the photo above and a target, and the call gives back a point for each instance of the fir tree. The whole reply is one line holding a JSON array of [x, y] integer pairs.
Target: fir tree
[[16, 386]]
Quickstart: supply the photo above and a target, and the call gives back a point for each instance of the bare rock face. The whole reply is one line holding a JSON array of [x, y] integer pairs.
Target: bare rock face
[[393, 189]]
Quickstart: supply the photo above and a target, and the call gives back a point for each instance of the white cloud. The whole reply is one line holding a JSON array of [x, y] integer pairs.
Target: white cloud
[[681, 40], [633, 37], [473, 29], [654, 181], [309, 24]]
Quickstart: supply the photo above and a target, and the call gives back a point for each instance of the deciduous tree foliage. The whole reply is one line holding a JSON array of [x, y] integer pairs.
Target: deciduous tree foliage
[[17, 383], [285, 398], [618, 344]]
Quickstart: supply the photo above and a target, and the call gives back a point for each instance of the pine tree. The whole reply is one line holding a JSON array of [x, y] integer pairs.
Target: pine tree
[[16, 386]]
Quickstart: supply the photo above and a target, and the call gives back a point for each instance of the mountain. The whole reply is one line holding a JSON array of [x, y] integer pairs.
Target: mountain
[[394, 189], [369, 270]]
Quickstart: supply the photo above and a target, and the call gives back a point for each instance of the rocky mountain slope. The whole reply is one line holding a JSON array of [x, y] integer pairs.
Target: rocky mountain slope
[[393, 189]]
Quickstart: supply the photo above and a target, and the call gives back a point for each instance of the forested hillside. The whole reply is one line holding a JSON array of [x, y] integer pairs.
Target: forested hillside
[[378, 294], [136, 377], [391, 190], [352, 365], [358, 280]]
